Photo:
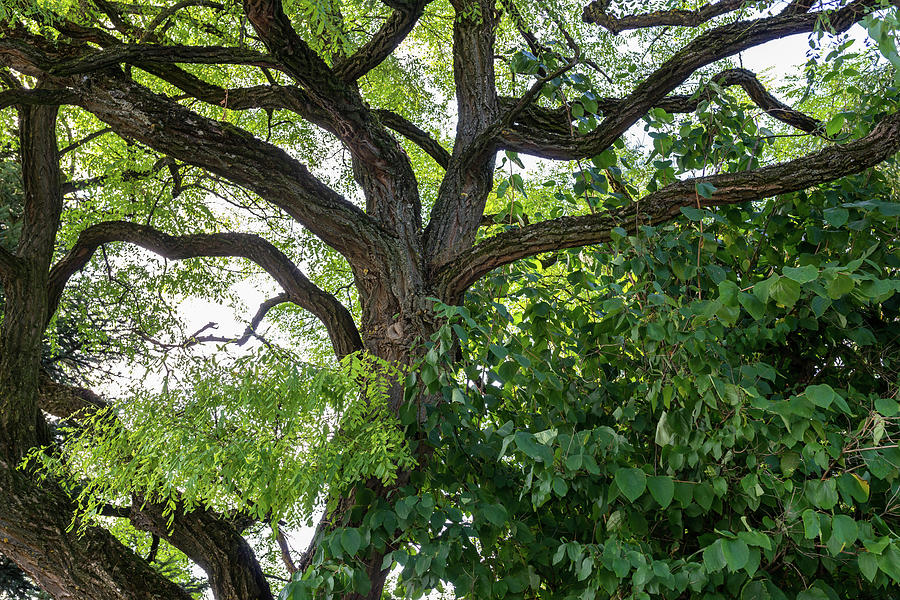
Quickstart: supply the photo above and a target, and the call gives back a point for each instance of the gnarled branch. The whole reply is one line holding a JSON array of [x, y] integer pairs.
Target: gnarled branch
[[337, 320], [417, 136], [731, 188], [382, 43], [715, 44], [596, 12]]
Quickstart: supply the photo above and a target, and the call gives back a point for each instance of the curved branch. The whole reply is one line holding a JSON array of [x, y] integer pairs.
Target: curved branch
[[470, 174], [715, 44], [556, 121], [67, 401], [419, 137], [171, 10], [383, 42], [731, 188], [337, 319], [595, 12], [36, 97]]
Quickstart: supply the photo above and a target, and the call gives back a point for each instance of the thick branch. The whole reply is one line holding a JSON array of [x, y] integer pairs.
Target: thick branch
[[9, 264], [383, 42], [206, 55], [67, 401], [731, 188], [380, 166], [595, 12], [417, 136], [555, 122], [715, 44], [337, 320], [36, 97], [469, 178]]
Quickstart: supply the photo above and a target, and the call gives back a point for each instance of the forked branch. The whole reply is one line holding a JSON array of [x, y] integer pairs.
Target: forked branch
[[383, 42]]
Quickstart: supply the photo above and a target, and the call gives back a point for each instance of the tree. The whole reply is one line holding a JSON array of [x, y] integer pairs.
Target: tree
[[173, 108]]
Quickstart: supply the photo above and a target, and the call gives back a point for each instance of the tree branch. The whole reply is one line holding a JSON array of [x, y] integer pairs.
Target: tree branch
[[380, 166], [731, 188], [382, 43], [208, 539], [470, 174], [261, 313], [595, 12], [715, 44], [556, 121], [36, 97], [417, 136], [9, 264], [135, 112], [67, 401], [337, 320]]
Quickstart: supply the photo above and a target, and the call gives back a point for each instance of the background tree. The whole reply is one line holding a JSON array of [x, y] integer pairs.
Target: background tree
[[193, 119]]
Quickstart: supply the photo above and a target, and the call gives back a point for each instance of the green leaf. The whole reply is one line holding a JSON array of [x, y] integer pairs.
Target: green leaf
[[810, 524], [822, 395], [736, 554], [632, 482], [662, 488], [887, 407], [835, 124], [495, 514], [836, 217], [868, 565], [785, 291], [350, 540], [844, 530], [813, 593], [705, 189], [752, 305], [664, 435], [714, 557], [801, 274], [889, 562], [755, 590], [789, 463], [694, 214], [841, 285]]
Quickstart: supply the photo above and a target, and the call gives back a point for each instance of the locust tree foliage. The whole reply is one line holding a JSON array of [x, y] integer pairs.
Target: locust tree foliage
[[656, 360]]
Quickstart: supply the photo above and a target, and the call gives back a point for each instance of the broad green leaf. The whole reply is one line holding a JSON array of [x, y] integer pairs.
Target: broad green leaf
[[887, 406], [785, 291], [844, 530], [810, 524], [632, 482], [736, 554], [662, 488], [350, 540], [821, 395], [868, 565], [801, 274], [714, 557]]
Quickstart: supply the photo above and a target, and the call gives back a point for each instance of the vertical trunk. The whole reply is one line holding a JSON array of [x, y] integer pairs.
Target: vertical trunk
[[35, 518]]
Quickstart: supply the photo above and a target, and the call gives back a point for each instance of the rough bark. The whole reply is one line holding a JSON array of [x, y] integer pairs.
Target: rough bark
[[663, 205], [35, 517]]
